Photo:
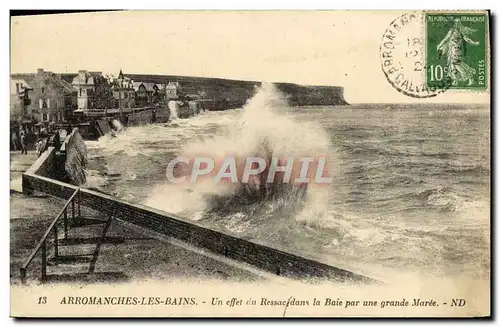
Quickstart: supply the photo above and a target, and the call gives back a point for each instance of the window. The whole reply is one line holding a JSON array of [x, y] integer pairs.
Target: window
[[43, 89], [126, 95]]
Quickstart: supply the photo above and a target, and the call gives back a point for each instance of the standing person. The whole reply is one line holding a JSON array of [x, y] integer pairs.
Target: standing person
[[57, 140], [14, 139], [21, 131], [23, 143], [38, 145], [43, 131], [36, 133], [31, 130]]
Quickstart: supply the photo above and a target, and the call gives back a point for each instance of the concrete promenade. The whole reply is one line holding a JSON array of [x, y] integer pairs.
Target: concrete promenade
[[128, 255], [19, 163]]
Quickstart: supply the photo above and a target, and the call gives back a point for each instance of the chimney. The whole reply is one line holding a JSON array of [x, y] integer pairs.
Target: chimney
[[40, 71]]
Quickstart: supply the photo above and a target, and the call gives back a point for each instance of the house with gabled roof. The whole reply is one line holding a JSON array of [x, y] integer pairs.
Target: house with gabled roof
[[141, 94], [94, 91], [51, 98], [147, 93], [123, 91]]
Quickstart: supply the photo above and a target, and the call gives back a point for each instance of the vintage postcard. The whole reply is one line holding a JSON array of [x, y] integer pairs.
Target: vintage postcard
[[250, 164]]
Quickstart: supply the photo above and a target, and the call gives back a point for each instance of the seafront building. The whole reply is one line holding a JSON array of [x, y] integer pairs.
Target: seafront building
[[148, 93], [49, 97], [123, 91], [93, 90], [46, 97]]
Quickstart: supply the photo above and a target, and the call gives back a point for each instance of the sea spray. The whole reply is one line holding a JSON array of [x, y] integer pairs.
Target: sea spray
[[263, 123], [174, 112], [117, 125]]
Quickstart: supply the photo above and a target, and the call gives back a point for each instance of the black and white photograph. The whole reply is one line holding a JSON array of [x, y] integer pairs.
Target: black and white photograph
[[250, 164]]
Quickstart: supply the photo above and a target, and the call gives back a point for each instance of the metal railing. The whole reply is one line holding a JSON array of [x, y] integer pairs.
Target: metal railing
[[42, 245]]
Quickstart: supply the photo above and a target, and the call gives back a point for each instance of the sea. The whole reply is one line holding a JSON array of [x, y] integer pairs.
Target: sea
[[410, 191]]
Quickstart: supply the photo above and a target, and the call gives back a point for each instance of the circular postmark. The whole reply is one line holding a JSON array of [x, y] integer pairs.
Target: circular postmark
[[402, 57]]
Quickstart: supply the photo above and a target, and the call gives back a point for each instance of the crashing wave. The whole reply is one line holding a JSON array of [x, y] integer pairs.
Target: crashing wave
[[263, 129]]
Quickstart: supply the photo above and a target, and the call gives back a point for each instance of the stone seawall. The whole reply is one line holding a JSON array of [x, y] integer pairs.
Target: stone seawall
[[75, 152], [45, 165], [263, 257], [150, 116], [67, 164], [97, 123]]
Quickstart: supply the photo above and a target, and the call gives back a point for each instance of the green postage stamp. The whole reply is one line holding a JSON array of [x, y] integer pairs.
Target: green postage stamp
[[456, 50], [426, 53]]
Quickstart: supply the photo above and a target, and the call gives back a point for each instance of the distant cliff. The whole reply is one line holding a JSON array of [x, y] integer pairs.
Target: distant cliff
[[305, 95], [236, 93]]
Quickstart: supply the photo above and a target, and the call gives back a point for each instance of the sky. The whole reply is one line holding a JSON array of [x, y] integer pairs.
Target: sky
[[305, 47]]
